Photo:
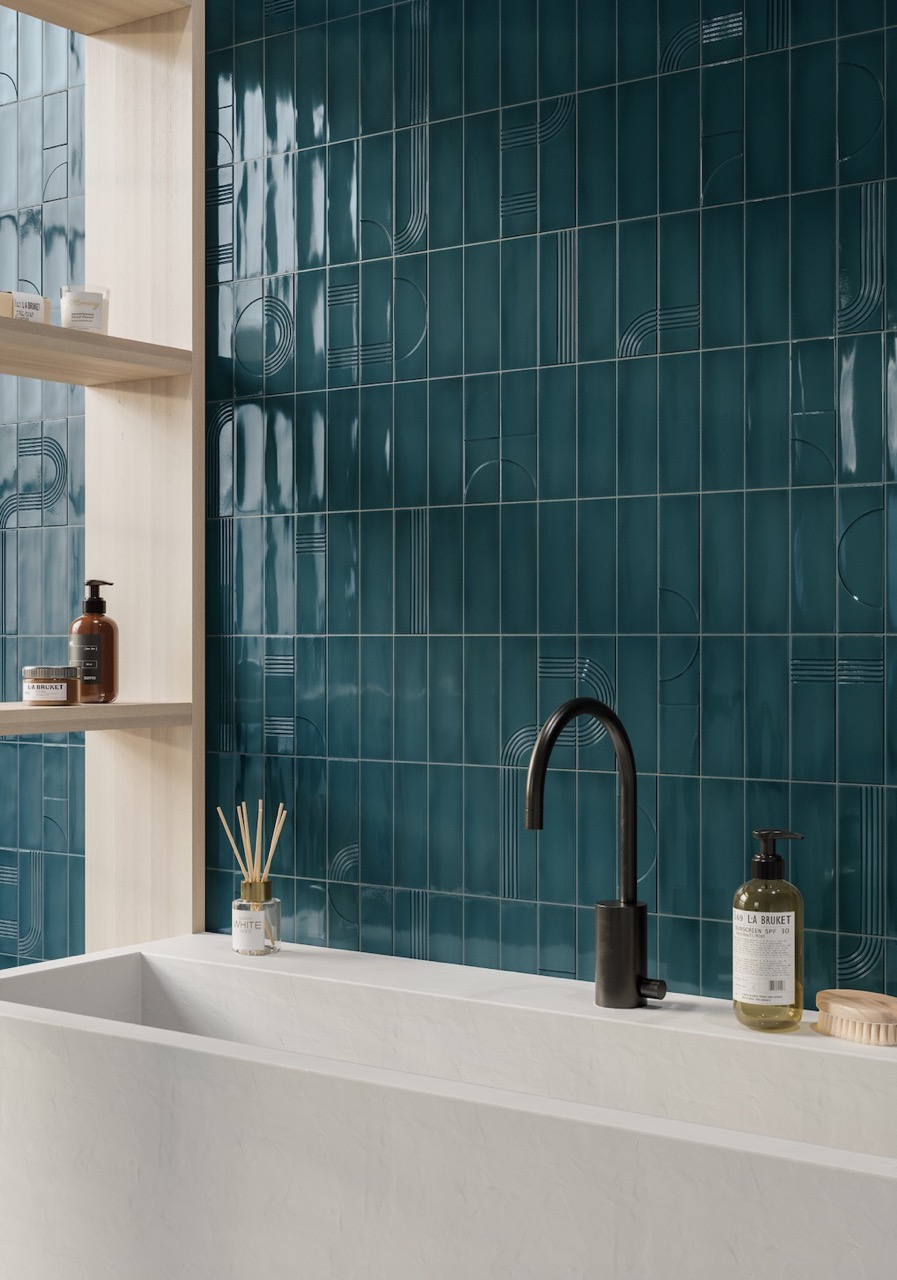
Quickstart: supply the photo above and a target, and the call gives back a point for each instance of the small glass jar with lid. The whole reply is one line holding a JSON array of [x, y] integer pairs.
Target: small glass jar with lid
[[50, 686]]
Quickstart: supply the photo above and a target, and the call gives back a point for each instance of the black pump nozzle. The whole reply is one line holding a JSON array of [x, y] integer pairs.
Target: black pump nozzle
[[95, 602], [768, 864]]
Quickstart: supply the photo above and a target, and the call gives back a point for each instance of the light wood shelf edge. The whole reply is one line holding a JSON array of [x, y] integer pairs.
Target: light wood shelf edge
[[90, 17], [16, 718], [53, 354]]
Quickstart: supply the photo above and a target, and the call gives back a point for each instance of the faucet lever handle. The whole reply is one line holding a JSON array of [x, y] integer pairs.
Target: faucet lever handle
[[652, 988]]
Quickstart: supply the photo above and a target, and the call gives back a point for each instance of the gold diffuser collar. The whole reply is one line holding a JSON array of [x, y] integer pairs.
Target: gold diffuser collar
[[256, 890]]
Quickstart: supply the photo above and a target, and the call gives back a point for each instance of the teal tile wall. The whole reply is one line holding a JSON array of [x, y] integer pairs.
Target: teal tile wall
[[552, 350], [41, 490]]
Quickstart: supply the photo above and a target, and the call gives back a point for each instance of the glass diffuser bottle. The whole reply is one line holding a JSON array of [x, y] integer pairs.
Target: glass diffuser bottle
[[255, 924]]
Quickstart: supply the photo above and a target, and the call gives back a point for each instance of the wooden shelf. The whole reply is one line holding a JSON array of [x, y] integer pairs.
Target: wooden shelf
[[16, 718], [53, 354], [90, 17]]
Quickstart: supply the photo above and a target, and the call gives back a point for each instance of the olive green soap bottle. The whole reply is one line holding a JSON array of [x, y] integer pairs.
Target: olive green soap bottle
[[768, 942]]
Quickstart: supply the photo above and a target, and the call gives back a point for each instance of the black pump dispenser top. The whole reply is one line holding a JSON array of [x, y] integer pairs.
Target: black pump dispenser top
[[768, 864], [95, 602]]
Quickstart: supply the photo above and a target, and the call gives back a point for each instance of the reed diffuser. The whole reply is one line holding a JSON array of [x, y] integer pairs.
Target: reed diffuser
[[255, 918]]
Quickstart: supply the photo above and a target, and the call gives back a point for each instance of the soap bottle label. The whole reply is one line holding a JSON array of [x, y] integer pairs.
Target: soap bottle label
[[84, 653], [763, 950]]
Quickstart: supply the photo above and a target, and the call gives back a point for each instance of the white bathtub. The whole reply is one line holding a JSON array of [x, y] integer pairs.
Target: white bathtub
[[177, 1111]]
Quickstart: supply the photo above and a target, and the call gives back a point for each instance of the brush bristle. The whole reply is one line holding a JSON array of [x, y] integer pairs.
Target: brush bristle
[[877, 1033]]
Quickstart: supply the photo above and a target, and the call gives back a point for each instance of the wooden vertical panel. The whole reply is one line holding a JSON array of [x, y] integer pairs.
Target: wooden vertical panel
[[145, 474]]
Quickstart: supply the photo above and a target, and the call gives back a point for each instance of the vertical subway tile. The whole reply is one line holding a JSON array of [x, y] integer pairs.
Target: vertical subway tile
[[481, 568], [557, 48], [813, 687], [678, 316], [557, 559], [637, 149], [679, 423], [595, 292], [446, 578], [519, 282], [596, 559], [481, 55], [447, 303], [722, 560], [637, 302], [597, 43], [813, 125], [861, 257], [482, 272], [722, 133], [311, 86], [678, 578], [446, 214], [481, 825], [766, 534], [637, 40], [557, 163], [861, 559], [722, 276], [766, 679], [637, 565], [860, 709], [679, 142], [766, 288], [519, 39], [342, 79], [861, 108], [376, 49], [812, 265], [812, 555], [481, 177], [723, 845], [518, 567], [722, 420], [766, 150], [446, 61], [596, 429], [597, 156], [637, 419], [410, 697], [766, 377]]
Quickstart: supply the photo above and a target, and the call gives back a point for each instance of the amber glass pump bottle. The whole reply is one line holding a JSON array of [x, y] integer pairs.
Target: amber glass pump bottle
[[93, 648]]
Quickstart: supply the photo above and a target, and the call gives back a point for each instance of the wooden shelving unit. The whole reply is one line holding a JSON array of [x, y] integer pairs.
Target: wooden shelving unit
[[86, 359], [15, 718], [144, 794], [91, 17]]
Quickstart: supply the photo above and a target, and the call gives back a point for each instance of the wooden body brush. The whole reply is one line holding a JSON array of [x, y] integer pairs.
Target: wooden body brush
[[862, 1016]]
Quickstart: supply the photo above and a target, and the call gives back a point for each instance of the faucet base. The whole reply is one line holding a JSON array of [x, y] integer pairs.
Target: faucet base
[[621, 956]]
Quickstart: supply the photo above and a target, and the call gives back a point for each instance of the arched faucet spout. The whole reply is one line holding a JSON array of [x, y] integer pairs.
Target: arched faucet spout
[[620, 926], [538, 767]]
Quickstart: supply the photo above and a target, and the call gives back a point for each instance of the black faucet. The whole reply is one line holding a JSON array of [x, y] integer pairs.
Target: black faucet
[[621, 937]]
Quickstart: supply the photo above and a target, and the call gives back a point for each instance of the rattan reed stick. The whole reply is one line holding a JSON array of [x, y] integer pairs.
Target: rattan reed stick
[[233, 843], [275, 836], [257, 863]]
